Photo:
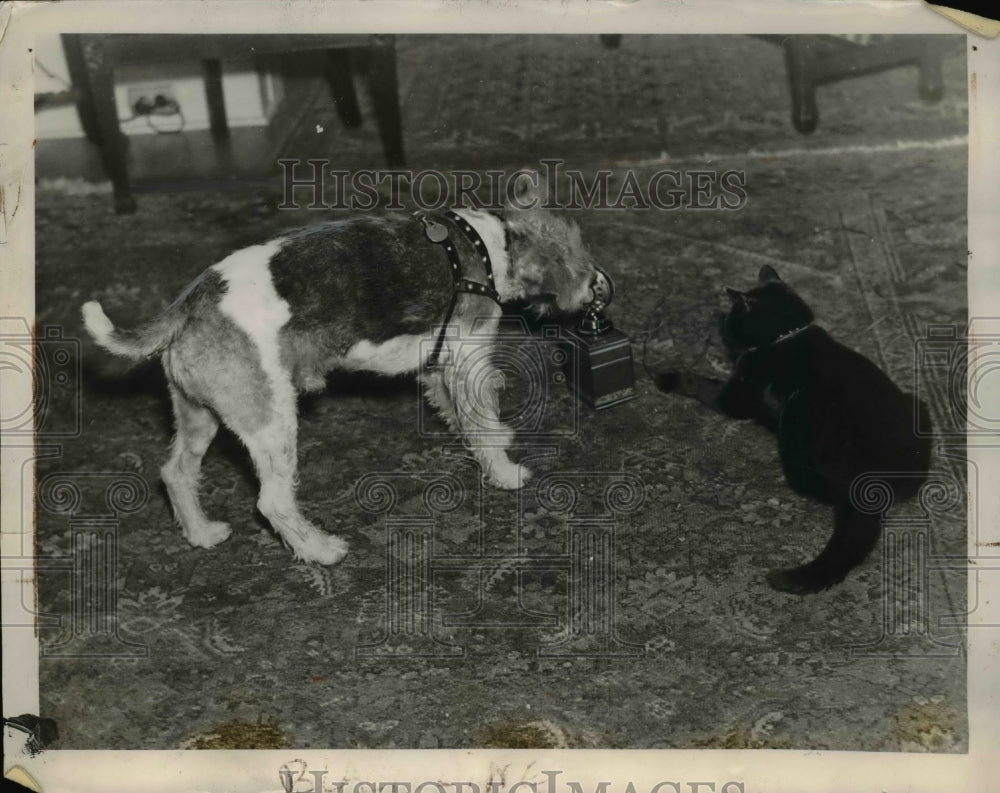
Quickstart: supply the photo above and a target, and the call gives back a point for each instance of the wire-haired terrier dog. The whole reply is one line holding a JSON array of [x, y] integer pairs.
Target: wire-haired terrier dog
[[372, 293]]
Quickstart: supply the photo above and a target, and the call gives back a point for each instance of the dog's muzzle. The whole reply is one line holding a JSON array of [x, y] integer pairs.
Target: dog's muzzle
[[602, 287]]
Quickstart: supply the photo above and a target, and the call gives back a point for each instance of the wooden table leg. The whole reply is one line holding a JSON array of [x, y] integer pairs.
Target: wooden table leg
[[338, 76], [384, 90], [114, 146], [73, 49], [212, 72], [801, 67]]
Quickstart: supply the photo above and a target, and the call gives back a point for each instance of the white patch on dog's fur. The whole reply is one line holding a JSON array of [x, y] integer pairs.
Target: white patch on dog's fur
[[491, 229], [253, 304], [399, 355]]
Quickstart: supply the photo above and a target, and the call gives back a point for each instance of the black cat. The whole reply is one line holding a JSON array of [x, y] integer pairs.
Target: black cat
[[836, 414]]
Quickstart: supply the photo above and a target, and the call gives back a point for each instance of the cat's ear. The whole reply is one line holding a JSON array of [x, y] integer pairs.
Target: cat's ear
[[735, 294], [768, 274]]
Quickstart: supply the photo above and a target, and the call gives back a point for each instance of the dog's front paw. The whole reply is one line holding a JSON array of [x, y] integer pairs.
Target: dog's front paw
[[325, 549], [509, 476], [211, 534]]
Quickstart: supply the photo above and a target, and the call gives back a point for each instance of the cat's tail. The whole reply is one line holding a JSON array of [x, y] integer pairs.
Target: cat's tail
[[138, 343], [855, 534]]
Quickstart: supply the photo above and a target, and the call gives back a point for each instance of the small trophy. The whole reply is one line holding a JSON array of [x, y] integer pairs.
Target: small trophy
[[601, 362]]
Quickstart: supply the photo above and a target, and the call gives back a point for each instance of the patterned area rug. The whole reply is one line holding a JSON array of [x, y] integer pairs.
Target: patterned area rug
[[617, 601]]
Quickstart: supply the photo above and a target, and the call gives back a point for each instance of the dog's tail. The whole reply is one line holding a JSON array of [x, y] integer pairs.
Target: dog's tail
[[137, 343]]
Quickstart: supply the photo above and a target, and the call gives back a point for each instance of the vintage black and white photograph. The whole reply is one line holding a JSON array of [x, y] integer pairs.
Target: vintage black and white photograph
[[501, 391]]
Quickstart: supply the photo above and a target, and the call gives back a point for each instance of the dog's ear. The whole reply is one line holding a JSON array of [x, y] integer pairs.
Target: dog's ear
[[735, 294], [527, 190], [768, 274]]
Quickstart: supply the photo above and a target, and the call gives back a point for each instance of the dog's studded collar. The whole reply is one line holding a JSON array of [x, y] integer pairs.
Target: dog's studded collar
[[437, 232]]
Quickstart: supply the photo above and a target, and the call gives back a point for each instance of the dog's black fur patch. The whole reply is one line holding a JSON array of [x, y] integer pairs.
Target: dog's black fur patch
[[369, 277]]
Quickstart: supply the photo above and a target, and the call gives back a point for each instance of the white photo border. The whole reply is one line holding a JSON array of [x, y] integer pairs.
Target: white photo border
[[58, 771]]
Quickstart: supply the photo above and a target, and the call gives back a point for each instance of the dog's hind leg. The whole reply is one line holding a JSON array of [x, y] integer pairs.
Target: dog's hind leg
[[273, 449], [196, 427]]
